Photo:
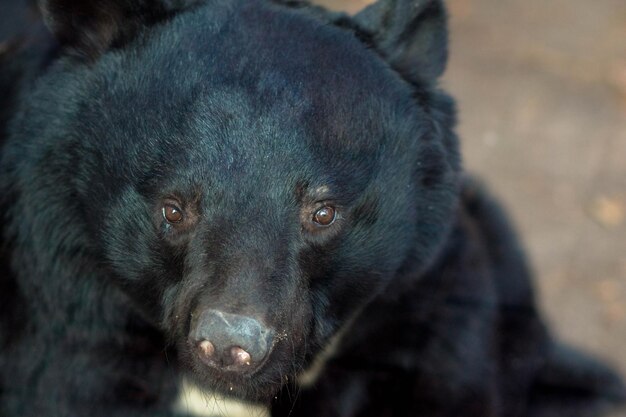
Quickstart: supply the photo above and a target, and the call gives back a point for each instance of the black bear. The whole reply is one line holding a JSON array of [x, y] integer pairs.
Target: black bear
[[268, 198]]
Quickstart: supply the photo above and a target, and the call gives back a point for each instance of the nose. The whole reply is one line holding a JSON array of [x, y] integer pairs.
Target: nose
[[230, 341]]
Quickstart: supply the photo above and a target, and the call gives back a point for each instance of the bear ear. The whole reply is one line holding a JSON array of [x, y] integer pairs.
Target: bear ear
[[90, 27], [410, 34]]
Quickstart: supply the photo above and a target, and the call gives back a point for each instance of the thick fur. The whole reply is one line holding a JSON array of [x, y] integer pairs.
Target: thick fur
[[253, 115]]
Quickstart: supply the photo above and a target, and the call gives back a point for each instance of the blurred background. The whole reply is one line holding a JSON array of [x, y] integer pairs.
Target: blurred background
[[541, 93]]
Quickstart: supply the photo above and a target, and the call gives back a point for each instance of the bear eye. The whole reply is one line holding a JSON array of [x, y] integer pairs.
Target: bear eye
[[172, 214], [325, 216]]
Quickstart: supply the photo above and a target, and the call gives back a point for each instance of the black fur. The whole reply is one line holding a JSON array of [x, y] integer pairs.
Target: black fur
[[252, 115]]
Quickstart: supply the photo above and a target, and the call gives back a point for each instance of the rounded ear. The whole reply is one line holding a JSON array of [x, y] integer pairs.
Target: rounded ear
[[410, 34], [90, 27]]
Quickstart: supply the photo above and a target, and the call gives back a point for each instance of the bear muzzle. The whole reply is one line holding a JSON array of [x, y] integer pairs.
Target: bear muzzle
[[230, 342]]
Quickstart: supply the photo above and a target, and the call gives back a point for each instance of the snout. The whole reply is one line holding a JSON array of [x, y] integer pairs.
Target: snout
[[230, 342]]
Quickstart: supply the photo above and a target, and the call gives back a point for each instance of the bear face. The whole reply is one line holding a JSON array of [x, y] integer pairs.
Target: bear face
[[249, 190]]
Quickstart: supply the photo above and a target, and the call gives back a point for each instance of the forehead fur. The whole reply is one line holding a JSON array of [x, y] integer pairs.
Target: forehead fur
[[257, 59], [232, 81]]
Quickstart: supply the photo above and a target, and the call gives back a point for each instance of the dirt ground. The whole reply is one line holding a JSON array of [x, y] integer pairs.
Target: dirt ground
[[541, 88], [541, 91]]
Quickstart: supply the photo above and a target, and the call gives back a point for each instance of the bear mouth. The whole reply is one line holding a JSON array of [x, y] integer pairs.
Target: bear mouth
[[239, 356], [258, 383]]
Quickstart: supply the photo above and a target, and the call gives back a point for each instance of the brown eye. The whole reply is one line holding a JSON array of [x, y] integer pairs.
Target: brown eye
[[172, 214], [324, 216]]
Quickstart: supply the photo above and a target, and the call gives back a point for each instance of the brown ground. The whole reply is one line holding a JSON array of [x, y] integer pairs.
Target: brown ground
[[541, 87], [541, 90]]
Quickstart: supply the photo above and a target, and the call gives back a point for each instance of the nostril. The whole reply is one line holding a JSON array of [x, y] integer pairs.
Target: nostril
[[240, 356], [206, 348], [230, 341]]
